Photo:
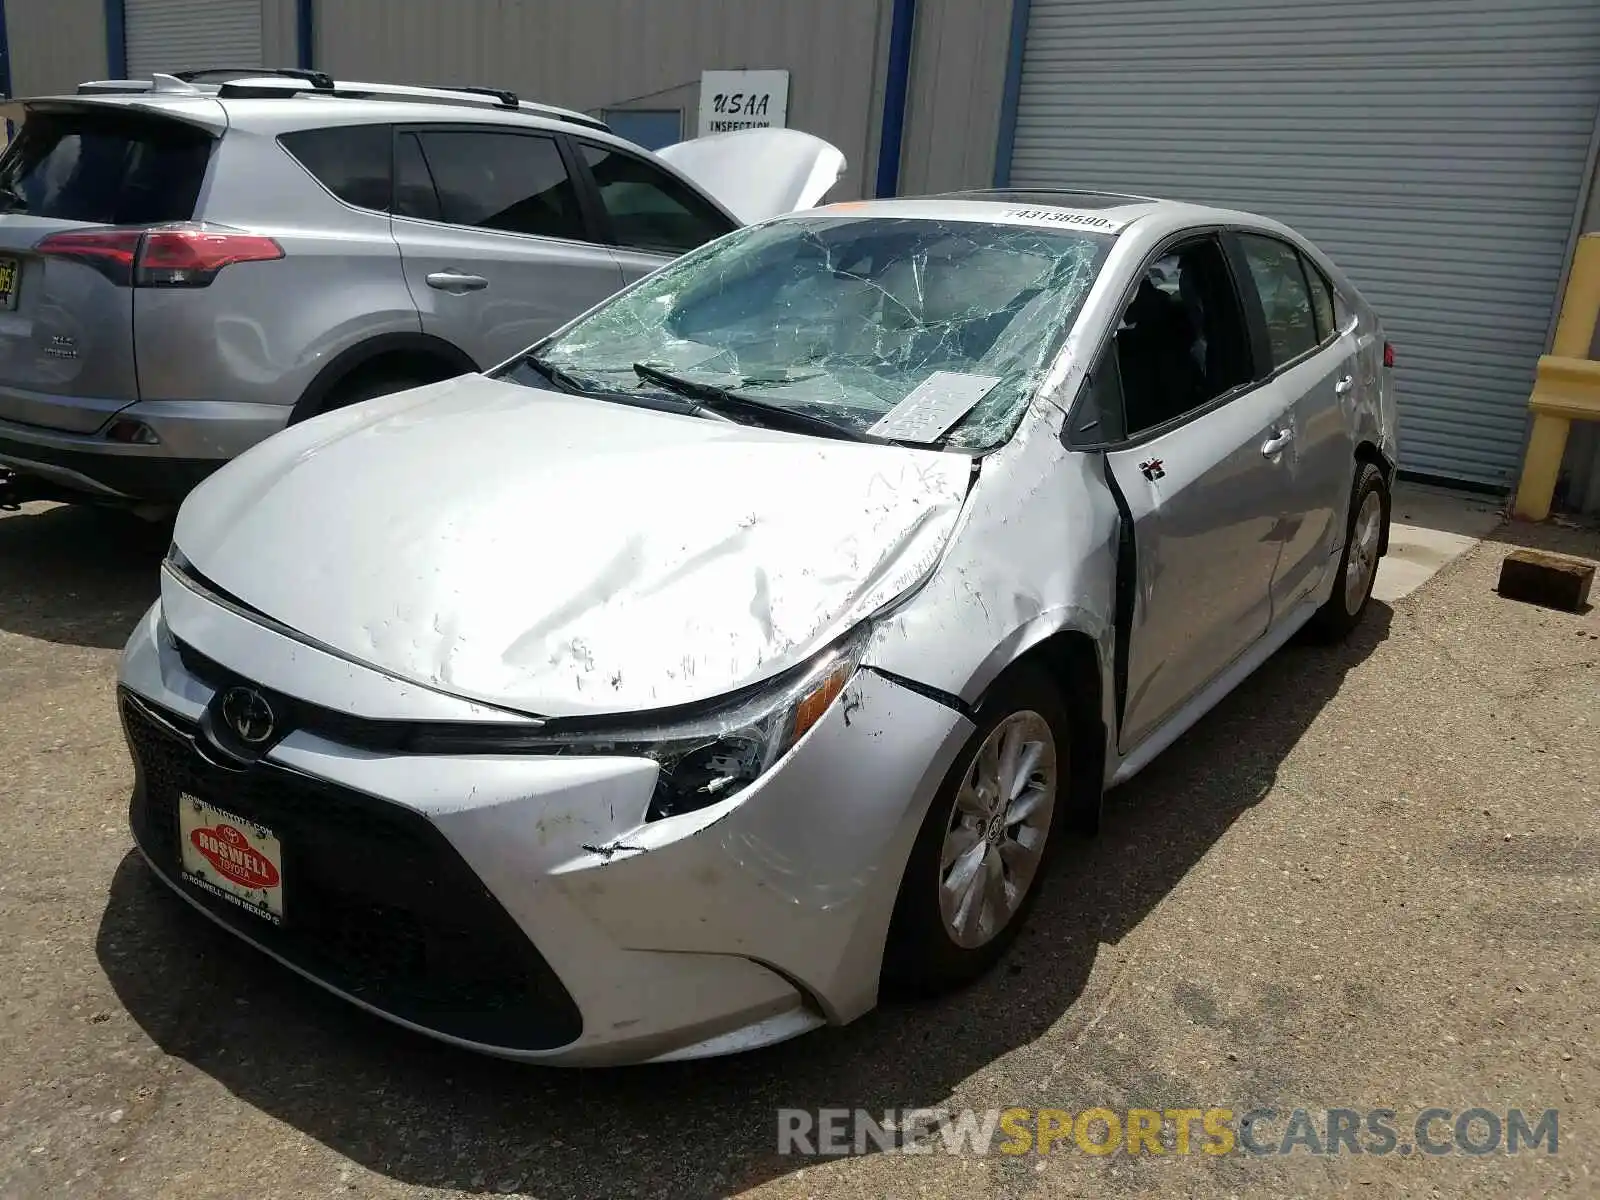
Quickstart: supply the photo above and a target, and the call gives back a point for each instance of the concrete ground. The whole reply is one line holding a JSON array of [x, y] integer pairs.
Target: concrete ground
[[1371, 879]]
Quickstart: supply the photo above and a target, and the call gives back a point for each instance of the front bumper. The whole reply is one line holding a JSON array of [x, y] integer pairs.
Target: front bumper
[[194, 438], [540, 916]]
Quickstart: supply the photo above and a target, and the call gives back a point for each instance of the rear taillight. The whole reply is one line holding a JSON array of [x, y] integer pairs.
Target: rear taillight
[[109, 251], [192, 257], [1388, 355], [176, 256]]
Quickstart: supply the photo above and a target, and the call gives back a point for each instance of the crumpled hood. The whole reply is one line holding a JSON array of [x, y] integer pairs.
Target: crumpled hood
[[560, 555]]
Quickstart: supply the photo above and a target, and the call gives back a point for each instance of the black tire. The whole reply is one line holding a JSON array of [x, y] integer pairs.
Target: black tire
[[921, 957], [1343, 611], [369, 388]]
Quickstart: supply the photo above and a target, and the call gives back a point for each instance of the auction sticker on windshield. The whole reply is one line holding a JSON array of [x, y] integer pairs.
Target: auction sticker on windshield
[[231, 857], [1066, 217]]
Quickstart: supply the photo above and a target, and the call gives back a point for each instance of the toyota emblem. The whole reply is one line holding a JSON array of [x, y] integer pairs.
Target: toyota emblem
[[249, 715]]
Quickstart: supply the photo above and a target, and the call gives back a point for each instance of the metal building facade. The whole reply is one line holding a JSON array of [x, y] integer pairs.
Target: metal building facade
[[1435, 147], [160, 33], [1437, 151], [602, 55]]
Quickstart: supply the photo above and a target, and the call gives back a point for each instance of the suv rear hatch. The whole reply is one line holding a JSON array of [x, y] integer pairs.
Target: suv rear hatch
[[66, 312]]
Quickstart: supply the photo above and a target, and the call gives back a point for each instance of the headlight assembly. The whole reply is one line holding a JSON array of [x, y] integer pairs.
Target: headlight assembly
[[704, 757]]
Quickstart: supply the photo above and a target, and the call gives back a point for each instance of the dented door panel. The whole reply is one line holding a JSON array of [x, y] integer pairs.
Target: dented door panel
[[1207, 508]]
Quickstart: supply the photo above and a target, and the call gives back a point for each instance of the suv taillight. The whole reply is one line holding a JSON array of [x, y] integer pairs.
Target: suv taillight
[[1388, 355], [171, 256]]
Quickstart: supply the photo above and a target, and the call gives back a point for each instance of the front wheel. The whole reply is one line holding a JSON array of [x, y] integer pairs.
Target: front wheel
[[973, 870], [1358, 567]]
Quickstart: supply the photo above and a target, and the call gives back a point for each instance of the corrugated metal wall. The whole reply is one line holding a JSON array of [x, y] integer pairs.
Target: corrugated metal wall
[[187, 35], [1436, 150], [55, 44], [280, 43], [612, 53], [958, 70]]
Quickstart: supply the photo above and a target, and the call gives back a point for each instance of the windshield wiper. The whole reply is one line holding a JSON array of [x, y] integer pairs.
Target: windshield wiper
[[12, 200], [567, 382], [552, 373], [771, 415]]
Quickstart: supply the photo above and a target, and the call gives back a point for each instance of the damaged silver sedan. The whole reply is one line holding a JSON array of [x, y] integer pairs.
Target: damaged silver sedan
[[743, 648]]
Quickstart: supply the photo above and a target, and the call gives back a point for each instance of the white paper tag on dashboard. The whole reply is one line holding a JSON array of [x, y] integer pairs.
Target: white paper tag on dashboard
[[933, 406]]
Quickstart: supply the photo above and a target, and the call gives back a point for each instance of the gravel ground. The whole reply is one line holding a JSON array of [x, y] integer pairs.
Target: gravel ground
[[1370, 879]]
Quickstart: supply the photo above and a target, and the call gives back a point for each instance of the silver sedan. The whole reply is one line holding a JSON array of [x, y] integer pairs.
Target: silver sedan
[[743, 648]]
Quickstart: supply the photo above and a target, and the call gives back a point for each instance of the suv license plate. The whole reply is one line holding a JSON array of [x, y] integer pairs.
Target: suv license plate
[[10, 273]]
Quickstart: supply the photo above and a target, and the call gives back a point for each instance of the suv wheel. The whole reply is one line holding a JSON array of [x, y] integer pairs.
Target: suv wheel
[[368, 387]]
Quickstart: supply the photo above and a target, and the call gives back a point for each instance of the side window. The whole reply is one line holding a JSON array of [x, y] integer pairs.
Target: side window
[[1321, 300], [414, 192], [1182, 341], [1285, 300], [649, 209], [514, 182], [351, 161]]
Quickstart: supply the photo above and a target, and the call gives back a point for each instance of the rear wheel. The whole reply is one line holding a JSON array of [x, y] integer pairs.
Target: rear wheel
[[368, 387], [973, 870], [1358, 568]]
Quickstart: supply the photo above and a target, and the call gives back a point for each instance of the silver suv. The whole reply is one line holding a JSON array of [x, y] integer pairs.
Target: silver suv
[[190, 263]]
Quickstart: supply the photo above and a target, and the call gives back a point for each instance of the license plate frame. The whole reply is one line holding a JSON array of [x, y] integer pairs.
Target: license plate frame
[[231, 857], [10, 279]]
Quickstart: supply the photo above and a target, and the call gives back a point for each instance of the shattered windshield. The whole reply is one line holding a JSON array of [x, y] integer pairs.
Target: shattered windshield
[[840, 319]]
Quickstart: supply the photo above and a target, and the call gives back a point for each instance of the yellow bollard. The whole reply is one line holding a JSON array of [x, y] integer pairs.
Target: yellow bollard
[[1567, 385]]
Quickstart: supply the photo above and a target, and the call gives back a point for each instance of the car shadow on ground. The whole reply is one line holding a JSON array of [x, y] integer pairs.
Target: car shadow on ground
[[78, 575], [425, 1114]]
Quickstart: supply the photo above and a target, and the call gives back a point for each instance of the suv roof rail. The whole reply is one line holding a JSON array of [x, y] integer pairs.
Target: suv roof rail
[[320, 80], [260, 84], [158, 82], [508, 99]]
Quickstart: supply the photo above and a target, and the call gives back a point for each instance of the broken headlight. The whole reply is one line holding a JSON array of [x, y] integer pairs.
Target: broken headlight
[[705, 755]]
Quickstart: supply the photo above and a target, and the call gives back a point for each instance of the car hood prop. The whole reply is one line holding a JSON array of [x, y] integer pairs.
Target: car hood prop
[[759, 173]]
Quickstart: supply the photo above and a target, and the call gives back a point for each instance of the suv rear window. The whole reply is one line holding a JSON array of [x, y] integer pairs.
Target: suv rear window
[[351, 161], [105, 168]]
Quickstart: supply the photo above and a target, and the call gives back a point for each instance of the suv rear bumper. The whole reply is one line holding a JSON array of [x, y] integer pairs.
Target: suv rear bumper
[[194, 438]]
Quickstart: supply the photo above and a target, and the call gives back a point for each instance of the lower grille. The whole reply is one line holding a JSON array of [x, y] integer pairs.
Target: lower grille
[[378, 903]]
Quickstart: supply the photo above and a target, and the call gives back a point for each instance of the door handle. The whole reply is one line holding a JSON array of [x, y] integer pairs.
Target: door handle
[[454, 281], [1344, 385], [1274, 445]]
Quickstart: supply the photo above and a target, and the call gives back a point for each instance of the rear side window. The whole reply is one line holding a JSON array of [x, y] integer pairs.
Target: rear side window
[[514, 182], [1321, 300], [649, 209], [1285, 299], [351, 161], [105, 168]]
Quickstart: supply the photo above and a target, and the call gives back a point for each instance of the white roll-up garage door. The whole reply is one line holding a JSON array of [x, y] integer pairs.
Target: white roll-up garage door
[[186, 35], [1435, 148]]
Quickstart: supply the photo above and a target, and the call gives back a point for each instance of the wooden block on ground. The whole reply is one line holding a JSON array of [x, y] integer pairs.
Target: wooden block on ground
[[1551, 580]]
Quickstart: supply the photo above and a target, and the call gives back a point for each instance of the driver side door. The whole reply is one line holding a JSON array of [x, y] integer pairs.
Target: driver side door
[[1193, 449]]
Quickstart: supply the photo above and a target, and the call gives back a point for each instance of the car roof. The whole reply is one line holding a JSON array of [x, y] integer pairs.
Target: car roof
[[1091, 212], [283, 99]]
